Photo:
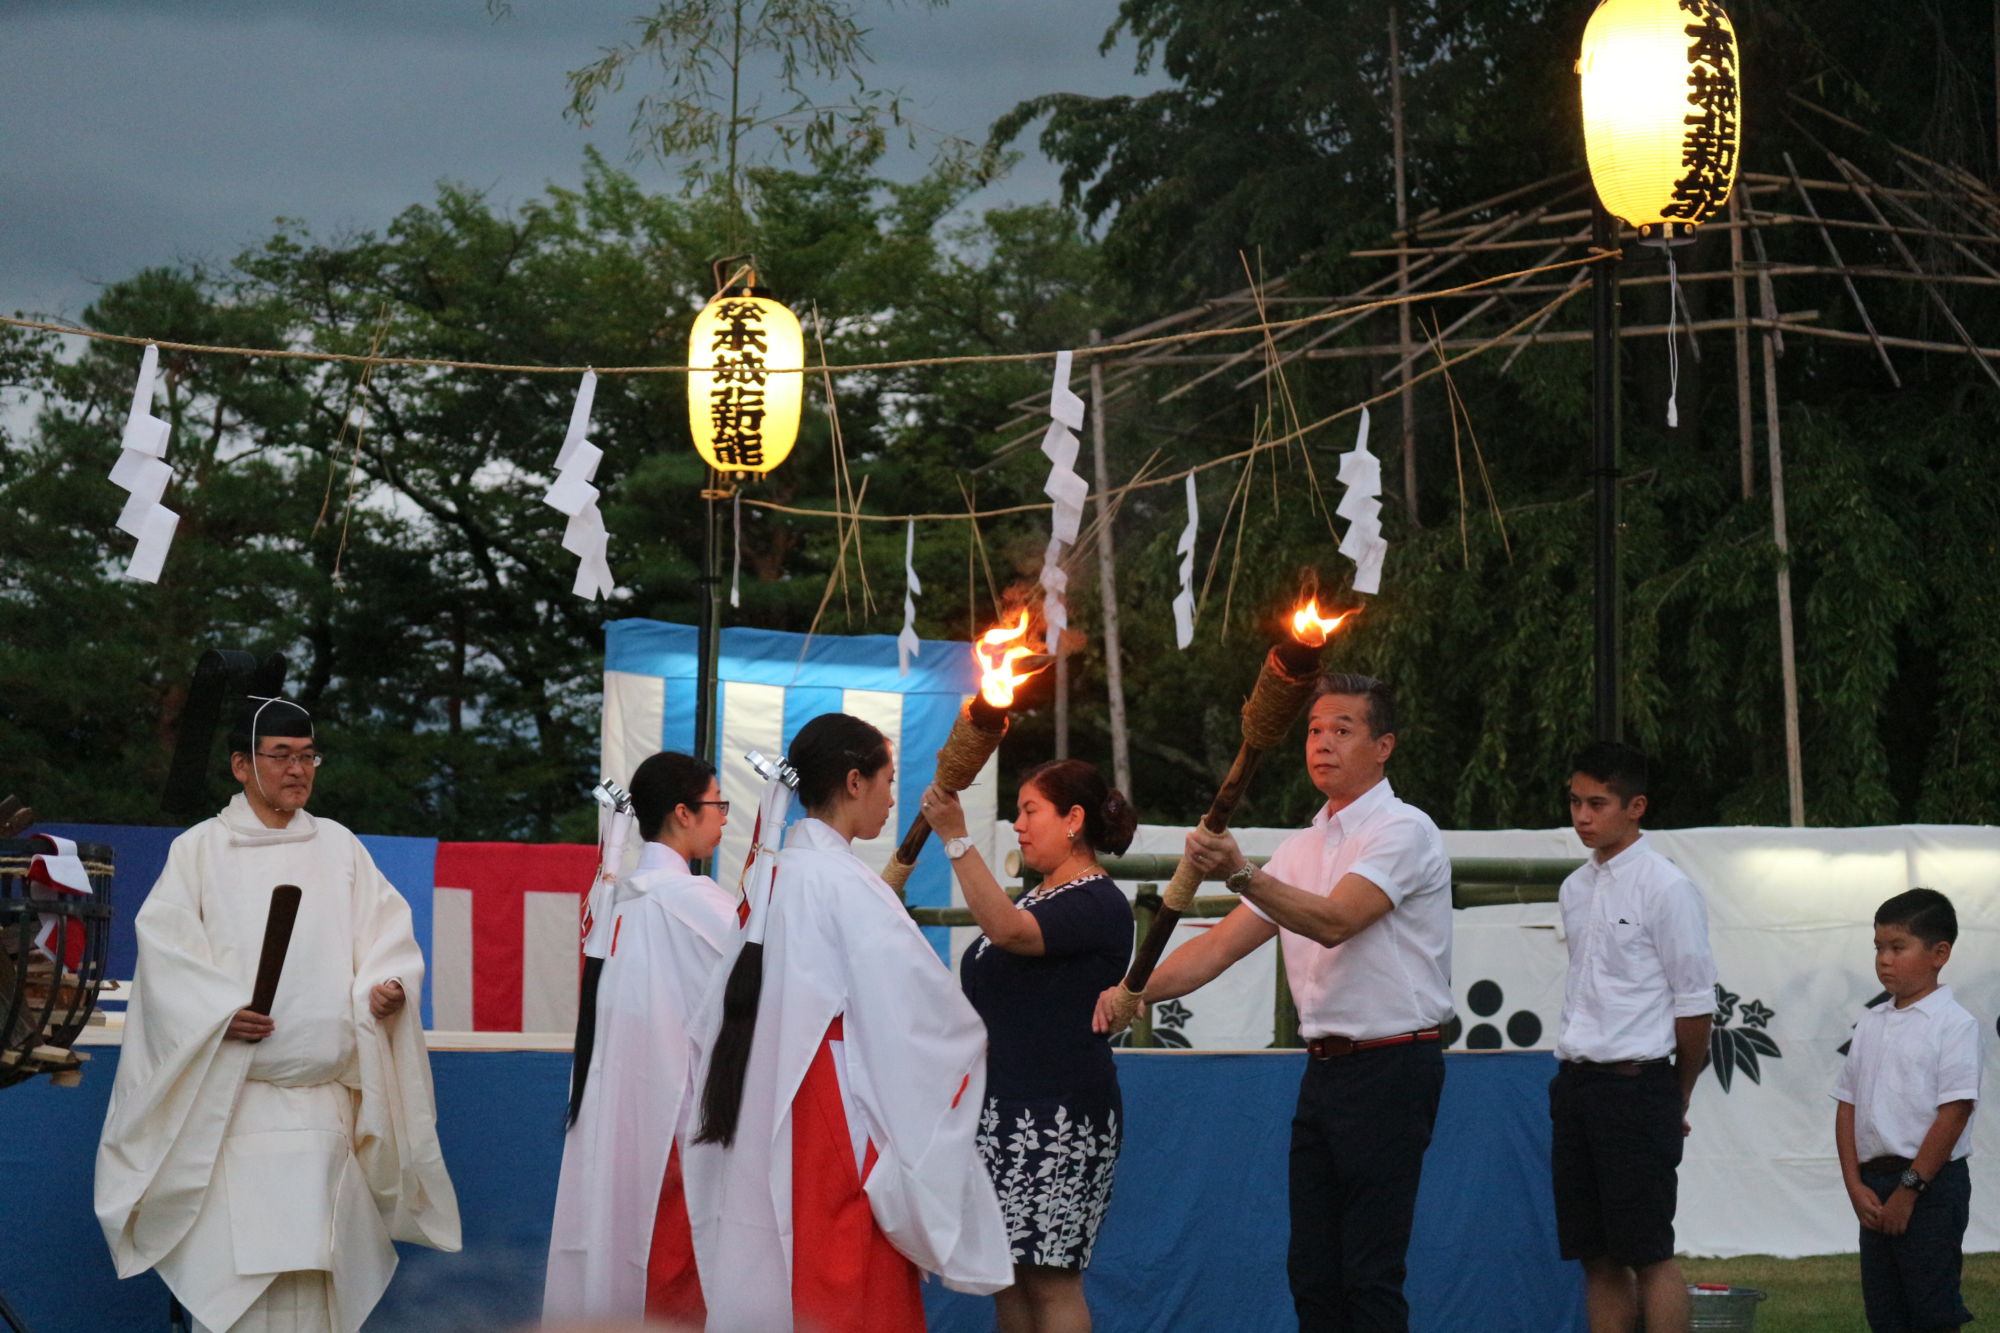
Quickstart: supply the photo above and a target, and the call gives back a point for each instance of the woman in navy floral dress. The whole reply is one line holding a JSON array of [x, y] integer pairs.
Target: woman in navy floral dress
[[1052, 1125]]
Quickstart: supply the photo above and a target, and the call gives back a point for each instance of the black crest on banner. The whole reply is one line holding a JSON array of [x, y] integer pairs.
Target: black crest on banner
[[1737, 1050]]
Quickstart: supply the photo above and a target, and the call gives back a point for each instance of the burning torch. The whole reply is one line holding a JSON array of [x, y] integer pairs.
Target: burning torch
[[1284, 686], [1006, 661]]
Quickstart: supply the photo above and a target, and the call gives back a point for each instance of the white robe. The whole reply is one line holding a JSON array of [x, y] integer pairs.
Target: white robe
[[666, 931], [913, 1079], [225, 1163]]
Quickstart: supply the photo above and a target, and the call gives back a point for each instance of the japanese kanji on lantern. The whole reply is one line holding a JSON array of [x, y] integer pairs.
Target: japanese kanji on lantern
[[1662, 115], [744, 383]]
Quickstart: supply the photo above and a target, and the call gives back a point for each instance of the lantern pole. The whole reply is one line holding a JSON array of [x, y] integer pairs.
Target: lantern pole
[[1609, 723], [709, 645]]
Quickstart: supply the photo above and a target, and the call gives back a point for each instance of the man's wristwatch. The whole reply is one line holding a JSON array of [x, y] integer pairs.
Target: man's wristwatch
[[957, 847], [1239, 878], [1913, 1182]]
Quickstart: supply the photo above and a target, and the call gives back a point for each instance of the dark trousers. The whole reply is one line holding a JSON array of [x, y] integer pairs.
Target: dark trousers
[[1909, 1283], [1358, 1141]]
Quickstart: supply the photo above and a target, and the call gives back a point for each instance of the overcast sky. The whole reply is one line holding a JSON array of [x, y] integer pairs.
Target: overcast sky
[[137, 132]]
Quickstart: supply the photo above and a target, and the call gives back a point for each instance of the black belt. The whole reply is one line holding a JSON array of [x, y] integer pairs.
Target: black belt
[[1328, 1048], [1893, 1166], [1622, 1068]]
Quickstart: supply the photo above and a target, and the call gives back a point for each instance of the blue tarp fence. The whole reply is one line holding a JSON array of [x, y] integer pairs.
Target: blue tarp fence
[[1195, 1238]]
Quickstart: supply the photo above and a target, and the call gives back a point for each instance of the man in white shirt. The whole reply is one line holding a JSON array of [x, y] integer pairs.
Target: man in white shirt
[[1361, 903], [1637, 1006]]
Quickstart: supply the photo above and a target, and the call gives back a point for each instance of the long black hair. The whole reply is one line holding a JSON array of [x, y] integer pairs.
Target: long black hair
[[824, 752]]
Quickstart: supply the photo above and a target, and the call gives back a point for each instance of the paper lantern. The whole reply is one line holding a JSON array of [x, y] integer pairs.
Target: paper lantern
[[1661, 112], [745, 385]]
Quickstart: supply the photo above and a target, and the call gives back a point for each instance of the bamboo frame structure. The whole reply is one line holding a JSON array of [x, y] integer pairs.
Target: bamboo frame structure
[[1831, 240]]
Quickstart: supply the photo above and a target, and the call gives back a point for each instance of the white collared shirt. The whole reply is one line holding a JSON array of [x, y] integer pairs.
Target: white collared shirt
[[1637, 931], [1395, 975], [1905, 1064]]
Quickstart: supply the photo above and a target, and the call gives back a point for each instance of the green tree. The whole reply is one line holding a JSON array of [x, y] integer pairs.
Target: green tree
[[412, 572]]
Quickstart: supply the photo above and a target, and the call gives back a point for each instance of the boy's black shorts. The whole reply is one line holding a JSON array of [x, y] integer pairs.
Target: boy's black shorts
[[1617, 1146], [1909, 1283]]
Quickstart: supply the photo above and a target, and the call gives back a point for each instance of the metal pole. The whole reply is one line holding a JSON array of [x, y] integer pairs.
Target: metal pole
[[709, 645], [1107, 583], [1604, 473]]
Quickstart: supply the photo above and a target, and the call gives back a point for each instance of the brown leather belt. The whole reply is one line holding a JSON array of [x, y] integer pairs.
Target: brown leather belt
[[1893, 1166], [1622, 1068], [1326, 1048]]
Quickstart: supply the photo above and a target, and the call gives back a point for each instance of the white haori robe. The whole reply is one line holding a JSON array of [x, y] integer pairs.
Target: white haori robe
[[226, 1163], [912, 1070], [668, 929]]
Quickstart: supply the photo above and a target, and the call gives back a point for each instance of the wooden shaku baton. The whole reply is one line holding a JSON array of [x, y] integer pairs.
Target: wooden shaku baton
[[277, 940], [1284, 687]]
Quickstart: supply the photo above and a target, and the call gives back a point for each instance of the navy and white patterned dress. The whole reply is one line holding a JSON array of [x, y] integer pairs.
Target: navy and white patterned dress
[[1052, 1124]]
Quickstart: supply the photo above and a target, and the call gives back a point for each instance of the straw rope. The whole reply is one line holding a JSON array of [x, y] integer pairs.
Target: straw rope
[[1168, 479], [1097, 349]]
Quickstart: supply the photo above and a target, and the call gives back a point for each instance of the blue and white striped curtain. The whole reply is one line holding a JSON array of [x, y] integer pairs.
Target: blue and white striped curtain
[[767, 693]]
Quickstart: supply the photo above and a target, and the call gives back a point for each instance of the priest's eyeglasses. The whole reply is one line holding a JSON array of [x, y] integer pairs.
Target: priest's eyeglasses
[[302, 759], [720, 805]]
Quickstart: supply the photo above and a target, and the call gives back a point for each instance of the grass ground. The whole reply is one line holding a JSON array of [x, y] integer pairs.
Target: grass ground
[[1823, 1294]]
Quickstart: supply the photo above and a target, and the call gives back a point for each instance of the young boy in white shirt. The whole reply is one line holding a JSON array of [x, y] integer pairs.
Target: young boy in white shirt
[[1904, 1126]]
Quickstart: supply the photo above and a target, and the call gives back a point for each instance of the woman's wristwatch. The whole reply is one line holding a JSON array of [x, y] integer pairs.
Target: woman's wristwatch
[[1239, 878], [957, 847]]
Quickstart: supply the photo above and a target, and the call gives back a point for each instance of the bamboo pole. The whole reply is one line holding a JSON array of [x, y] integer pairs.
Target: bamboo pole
[[1787, 651], [1407, 397], [1107, 583], [1910, 260], [1745, 436], [1833, 252]]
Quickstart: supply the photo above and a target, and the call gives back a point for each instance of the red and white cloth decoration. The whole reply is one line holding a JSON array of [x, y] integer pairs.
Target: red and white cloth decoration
[[1361, 473], [504, 935], [574, 495], [1068, 490], [59, 870], [142, 469]]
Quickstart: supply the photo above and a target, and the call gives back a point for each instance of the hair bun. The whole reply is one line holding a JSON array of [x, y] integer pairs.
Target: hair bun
[[1121, 821]]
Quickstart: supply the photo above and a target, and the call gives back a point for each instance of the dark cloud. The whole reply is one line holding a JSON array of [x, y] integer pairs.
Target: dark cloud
[[141, 133]]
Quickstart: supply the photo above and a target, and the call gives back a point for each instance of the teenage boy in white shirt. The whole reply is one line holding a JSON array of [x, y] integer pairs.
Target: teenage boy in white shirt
[[1904, 1127], [1638, 1003]]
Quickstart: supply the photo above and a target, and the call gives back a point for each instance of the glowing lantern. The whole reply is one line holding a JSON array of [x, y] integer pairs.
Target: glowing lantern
[[1661, 113], [744, 385]]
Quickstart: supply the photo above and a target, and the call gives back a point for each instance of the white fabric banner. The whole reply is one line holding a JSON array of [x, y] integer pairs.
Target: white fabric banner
[[1790, 920]]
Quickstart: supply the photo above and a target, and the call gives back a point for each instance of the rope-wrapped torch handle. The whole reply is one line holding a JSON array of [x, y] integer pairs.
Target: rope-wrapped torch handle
[[973, 739]]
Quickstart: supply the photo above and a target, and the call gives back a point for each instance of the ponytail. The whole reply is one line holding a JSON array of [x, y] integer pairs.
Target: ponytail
[[824, 752]]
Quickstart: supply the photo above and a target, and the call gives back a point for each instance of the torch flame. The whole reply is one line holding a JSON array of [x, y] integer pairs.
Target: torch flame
[[997, 650], [1312, 629]]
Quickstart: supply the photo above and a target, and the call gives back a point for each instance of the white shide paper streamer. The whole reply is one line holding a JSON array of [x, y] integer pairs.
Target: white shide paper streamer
[[907, 645], [1068, 490], [573, 494], [142, 469], [1184, 599], [1361, 473]]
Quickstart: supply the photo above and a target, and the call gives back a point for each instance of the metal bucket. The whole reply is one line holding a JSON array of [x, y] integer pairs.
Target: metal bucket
[[1719, 1306]]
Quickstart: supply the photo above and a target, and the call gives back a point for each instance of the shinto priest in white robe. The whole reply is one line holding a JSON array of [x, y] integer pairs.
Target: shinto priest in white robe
[[665, 931], [912, 1076], [228, 1165]]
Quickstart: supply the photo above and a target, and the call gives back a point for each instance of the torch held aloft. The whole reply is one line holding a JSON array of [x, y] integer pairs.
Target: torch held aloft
[[973, 739], [1283, 688]]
